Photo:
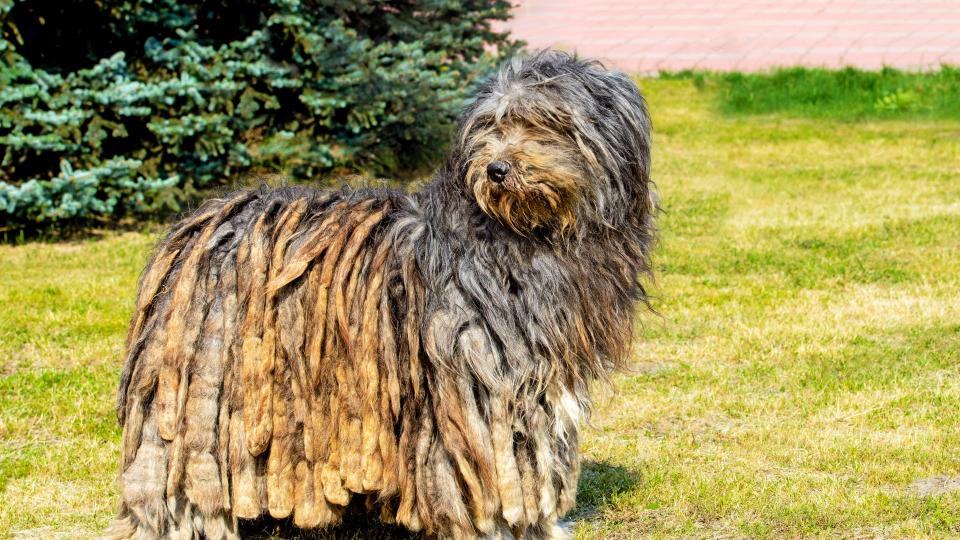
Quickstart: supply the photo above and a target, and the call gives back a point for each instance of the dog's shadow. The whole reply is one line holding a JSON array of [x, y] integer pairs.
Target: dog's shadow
[[357, 527], [599, 483]]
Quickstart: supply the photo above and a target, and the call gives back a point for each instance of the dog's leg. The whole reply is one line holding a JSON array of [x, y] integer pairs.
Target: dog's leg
[[146, 513], [143, 512], [551, 529], [557, 530]]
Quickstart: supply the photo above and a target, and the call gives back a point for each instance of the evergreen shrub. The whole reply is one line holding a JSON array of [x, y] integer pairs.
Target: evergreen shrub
[[116, 107]]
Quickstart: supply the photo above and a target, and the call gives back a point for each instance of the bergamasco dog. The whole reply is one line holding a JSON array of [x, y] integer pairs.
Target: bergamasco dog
[[426, 357]]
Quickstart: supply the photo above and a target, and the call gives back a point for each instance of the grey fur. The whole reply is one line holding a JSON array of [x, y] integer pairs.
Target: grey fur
[[440, 370]]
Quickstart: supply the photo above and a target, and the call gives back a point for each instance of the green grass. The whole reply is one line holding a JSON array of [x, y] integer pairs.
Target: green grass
[[801, 380], [848, 94]]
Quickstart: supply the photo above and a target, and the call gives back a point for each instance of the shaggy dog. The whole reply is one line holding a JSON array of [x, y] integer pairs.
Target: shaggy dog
[[306, 353]]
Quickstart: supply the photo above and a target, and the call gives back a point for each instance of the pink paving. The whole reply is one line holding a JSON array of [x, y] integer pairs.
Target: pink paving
[[647, 36]]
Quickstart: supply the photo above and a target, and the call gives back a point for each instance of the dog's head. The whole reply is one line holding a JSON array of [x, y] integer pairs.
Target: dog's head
[[553, 144]]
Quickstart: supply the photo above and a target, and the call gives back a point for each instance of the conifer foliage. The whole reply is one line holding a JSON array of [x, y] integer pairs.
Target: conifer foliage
[[117, 107]]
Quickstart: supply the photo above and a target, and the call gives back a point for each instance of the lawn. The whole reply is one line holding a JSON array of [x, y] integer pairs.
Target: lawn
[[801, 377]]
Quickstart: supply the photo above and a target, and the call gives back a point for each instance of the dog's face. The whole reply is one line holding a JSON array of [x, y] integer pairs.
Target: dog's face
[[526, 173], [552, 144]]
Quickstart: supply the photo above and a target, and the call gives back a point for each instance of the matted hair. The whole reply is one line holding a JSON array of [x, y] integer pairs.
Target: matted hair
[[295, 352]]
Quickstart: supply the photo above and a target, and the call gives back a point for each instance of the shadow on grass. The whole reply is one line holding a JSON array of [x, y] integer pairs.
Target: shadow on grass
[[357, 527], [599, 482]]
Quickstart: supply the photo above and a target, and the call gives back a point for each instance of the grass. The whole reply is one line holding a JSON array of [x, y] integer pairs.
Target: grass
[[802, 379], [847, 94]]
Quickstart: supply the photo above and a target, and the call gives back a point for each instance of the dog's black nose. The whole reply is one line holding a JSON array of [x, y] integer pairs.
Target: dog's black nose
[[497, 171]]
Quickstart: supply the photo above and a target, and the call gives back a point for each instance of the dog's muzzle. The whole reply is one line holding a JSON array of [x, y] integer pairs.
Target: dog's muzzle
[[497, 171]]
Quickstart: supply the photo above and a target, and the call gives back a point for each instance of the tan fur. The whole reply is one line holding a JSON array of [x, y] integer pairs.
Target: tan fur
[[303, 354], [294, 372]]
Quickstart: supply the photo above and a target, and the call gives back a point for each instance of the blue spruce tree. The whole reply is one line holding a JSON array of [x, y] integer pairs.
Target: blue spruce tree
[[110, 108]]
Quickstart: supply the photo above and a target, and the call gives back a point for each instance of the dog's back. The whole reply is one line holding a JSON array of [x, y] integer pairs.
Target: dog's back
[[257, 360]]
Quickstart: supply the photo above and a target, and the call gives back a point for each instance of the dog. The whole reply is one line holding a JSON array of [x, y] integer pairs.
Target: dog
[[425, 357]]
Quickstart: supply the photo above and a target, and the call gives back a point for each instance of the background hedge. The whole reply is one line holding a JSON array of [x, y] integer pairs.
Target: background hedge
[[111, 107]]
